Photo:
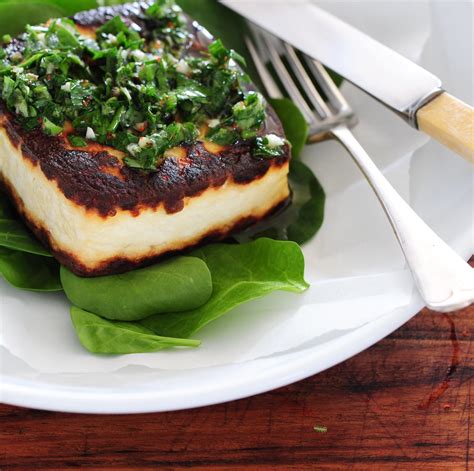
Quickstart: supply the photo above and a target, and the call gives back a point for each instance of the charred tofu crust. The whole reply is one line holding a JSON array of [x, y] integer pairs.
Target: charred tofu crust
[[98, 184]]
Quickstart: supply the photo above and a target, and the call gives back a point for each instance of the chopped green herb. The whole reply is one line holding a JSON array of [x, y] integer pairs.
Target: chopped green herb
[[77, 141], [249, 113], [223, 136], [50, 128], [139, 94], [222, 55], [166, 10], [269, 146], [144, 153], [8, 87]]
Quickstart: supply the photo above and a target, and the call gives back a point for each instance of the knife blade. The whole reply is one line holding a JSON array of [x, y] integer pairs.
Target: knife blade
[[399, 83]]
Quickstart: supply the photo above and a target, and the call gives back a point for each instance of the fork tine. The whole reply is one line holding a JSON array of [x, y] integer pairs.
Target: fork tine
[[301, 80], [272, 88], [306, 83], [287, 81], [325, 81]]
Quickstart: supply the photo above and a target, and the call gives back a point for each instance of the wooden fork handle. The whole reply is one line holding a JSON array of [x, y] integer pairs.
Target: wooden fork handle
[[450, 122]]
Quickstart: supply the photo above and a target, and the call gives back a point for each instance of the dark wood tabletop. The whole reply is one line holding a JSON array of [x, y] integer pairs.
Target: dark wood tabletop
[[406, 403]]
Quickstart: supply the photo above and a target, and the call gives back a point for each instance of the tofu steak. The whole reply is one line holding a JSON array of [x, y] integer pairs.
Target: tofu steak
[[100, 214]]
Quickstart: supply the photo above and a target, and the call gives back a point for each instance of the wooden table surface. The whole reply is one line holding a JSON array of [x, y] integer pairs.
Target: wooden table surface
[[406, 403]]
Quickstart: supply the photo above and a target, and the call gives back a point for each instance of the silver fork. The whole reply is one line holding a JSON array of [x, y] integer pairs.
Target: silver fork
[[445, 281]]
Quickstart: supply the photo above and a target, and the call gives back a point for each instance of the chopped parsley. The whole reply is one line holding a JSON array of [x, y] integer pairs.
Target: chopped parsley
[[50, 128], [142, 94], [77, 141], [268, 146]]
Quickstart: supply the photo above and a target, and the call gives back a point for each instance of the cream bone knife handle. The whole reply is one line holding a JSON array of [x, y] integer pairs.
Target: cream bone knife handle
[[450, 122]]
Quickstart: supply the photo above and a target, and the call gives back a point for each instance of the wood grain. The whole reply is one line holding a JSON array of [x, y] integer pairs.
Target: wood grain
[[451, 122], [374, 407]]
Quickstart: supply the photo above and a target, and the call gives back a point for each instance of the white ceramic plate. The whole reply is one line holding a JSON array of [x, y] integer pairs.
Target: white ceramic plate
[[361, 290]]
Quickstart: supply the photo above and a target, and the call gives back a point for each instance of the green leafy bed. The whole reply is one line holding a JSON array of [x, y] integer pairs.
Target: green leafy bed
[[161, 306]]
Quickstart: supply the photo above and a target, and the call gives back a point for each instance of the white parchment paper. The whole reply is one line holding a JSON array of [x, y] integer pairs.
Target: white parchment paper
[[355, 267]]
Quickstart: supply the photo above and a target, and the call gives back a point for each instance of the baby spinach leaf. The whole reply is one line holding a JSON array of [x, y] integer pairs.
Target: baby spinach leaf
[[72, 6], [222, 22], [337, 79], [307, 209], [179, 284], [103, 3], [294, 123], [103, 336], [302, 219], [240, 273], [14, 15], [14, 235], [29, 272]]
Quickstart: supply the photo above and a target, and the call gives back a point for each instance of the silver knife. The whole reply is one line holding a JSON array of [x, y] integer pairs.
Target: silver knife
[[405, 87]]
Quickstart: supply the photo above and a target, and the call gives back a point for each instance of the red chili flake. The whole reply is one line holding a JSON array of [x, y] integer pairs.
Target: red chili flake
[[140, 127], [446, 406]]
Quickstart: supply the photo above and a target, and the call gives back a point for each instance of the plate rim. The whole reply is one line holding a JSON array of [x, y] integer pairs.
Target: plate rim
[[31, 394], [294, 367]]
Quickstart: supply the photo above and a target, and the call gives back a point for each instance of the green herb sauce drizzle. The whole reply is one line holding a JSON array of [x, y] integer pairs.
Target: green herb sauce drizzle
[[141, 94]]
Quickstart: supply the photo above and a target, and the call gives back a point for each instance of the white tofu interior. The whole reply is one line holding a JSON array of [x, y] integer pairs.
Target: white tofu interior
[[93, 239]]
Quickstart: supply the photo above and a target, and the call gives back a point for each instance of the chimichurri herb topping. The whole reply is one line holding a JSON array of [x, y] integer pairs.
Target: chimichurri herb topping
[[140, 94]]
